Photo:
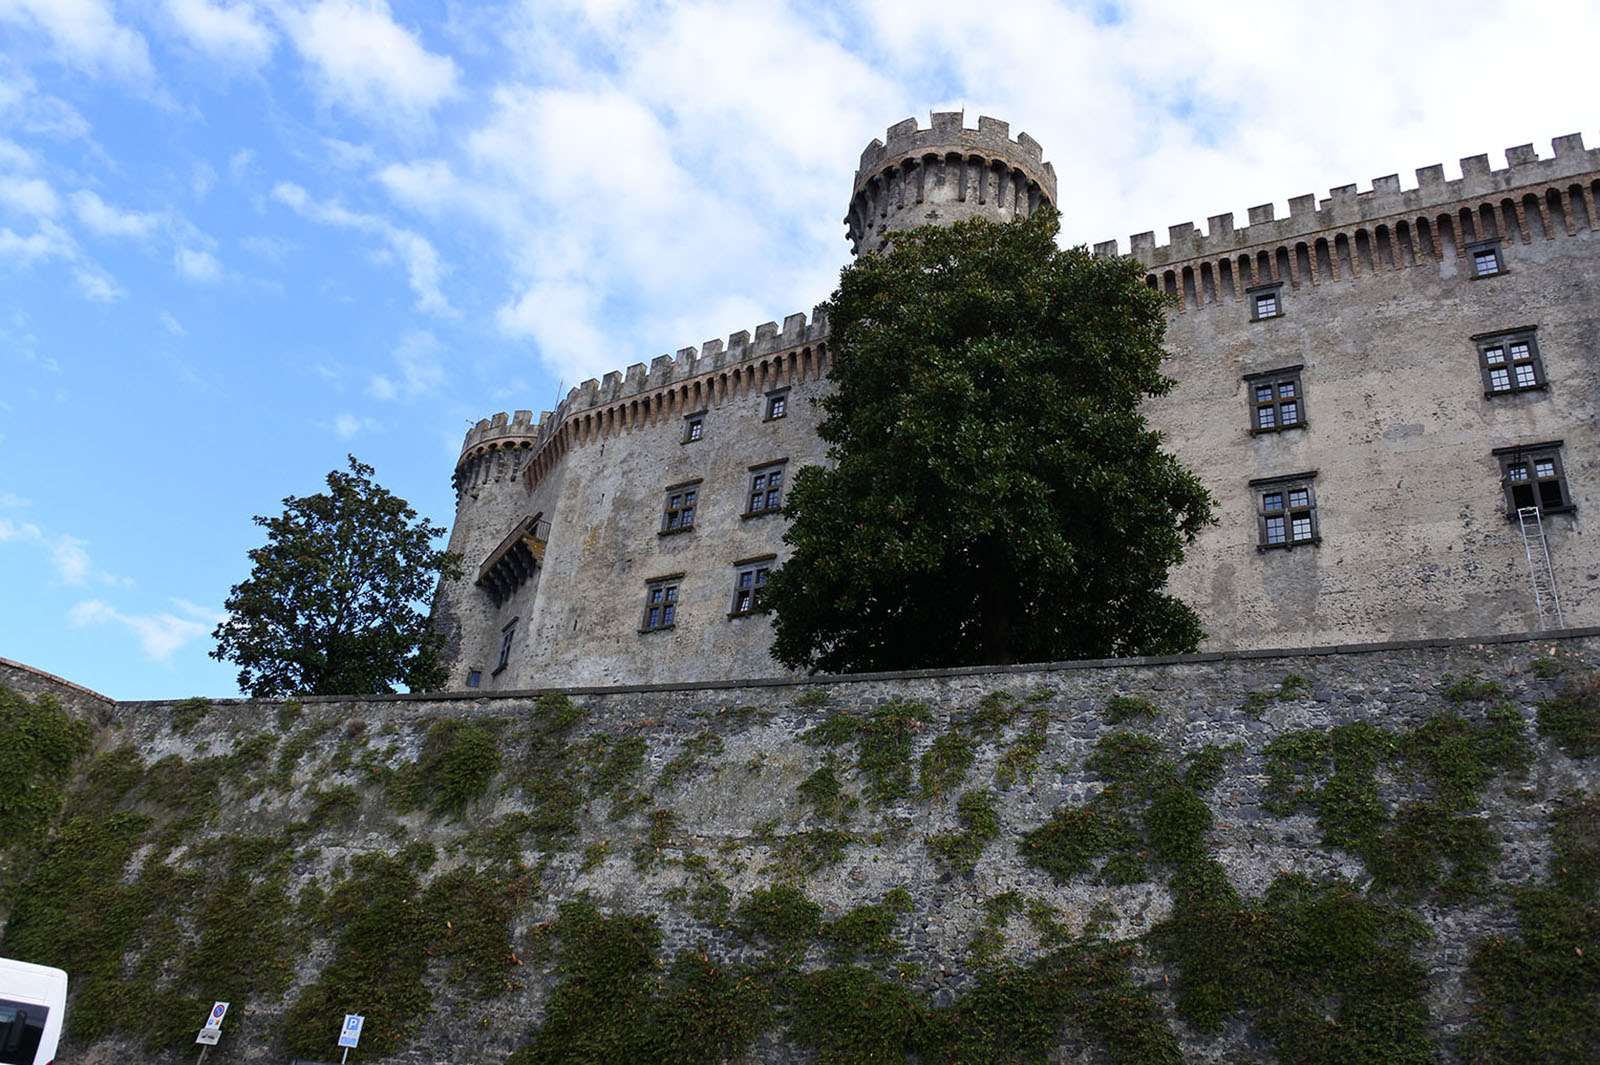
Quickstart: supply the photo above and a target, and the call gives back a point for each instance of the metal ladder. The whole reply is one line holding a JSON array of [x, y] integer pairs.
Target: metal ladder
[[1539, 571]]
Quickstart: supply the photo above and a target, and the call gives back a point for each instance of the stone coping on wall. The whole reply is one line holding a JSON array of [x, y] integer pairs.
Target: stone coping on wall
[[50, 680], [821, 679]]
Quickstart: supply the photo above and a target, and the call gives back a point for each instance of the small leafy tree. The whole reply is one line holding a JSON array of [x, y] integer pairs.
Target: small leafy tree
[[331, 605], [997, 495]]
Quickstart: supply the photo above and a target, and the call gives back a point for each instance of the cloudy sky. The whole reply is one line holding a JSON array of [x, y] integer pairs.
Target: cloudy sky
[[241, 238]]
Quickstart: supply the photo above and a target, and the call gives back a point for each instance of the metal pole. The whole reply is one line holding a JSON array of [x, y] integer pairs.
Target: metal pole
[[345, 1057], [202, 1056]]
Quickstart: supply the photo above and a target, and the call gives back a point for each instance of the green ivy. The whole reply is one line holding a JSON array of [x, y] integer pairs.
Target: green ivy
[[1427, 844], [979, 819], [379, 961], [825, 792], [944, 765], [1537, 994], [1021, 759], [616, 1002], [1572, 718], [1123, 708], [691, 757], [458, 760], [883, 741], [188, 713], [1324, 972], [42, 743], [868, 929]]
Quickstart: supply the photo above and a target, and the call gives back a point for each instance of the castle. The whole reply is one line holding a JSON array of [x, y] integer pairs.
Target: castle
[[1389, 393]]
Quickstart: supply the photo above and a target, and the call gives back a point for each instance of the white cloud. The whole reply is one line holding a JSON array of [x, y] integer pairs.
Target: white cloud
[[420, 371], [70, 559], [11, 499], [29, 196], [242, 165], [364, 62], [427, 185], [423, 268], [172, 325], [346, 426], [108, 221], [95, 284], [15, 157], [273, 249], [19, 531], [50, 242], [349, 156], [84, 33], [229, 32], [202, 177], [196, 264], [160, 634], [68, 555]]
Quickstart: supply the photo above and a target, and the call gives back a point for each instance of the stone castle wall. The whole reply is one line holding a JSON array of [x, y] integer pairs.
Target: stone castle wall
[[715, 810], [1380, 315]]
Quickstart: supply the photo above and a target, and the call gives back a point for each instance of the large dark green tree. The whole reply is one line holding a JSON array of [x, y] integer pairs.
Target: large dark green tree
[[331, 604], [997, 495]]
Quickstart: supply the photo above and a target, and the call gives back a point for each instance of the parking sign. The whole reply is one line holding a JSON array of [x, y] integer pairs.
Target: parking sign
[[218, 1011], [350, 1034]]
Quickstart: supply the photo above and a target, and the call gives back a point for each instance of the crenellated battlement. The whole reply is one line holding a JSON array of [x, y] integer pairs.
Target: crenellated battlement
[[943, 174], [1346, 207], [992, 139], [639, 382]]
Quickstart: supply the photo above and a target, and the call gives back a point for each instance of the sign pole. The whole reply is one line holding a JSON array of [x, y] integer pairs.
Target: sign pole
[[202, 1057]]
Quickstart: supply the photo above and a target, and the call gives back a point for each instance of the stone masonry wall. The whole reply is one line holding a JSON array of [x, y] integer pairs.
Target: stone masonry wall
[[686, 802]]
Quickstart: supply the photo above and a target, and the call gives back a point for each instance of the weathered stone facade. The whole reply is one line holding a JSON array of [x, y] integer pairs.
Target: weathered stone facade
[[1385, 472], [715, 809]]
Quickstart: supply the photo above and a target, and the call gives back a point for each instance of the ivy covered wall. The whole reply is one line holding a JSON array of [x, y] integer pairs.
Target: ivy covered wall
[[1388, 854]]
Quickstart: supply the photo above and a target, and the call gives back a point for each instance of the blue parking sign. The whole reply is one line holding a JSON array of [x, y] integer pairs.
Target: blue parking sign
[[350, 1034]]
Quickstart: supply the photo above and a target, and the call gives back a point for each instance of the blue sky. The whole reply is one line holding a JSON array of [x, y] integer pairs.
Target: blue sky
[[241, 238]]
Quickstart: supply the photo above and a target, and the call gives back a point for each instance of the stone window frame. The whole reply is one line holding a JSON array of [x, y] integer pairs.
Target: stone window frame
[[1480, 252], [749, 577], [694, 427], [777, 404], [507, 634], [1268, 295], [1509, 363], [679, 506], [660, 603], [1279, 513], [760, 486], [1274, 405], [1542, 482]]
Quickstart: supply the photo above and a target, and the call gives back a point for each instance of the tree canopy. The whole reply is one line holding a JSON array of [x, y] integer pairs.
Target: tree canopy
[[331, 604], [997, 495]]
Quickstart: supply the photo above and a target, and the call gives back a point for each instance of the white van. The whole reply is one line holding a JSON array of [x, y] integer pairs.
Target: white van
[[33, 1003]]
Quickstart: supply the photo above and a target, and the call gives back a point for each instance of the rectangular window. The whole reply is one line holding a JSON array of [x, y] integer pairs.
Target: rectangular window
[[750, 577], [660, 603], [694, 427], [1509, 361], [1486, 259], [1265, 301], [766, 489], [1532, 477], [777, 404], [678, 515], [474, 678], [1286, 511], [506, 635], [1276, 400]]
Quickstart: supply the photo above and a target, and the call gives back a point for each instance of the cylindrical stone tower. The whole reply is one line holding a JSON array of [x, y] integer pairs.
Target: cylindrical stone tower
[[945, 174]]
